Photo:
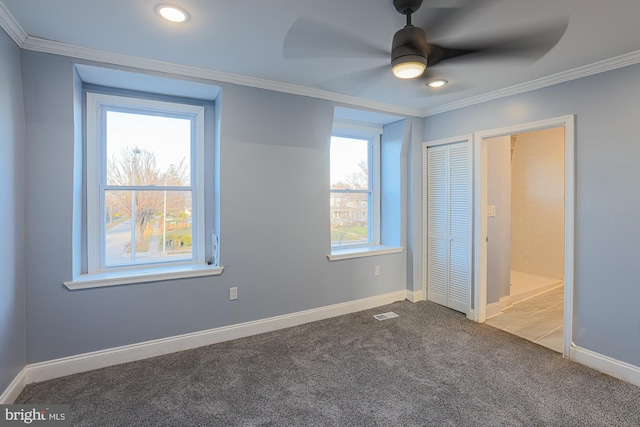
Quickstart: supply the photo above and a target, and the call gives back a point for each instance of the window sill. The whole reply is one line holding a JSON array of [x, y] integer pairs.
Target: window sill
[[116, 278], [338, 254]]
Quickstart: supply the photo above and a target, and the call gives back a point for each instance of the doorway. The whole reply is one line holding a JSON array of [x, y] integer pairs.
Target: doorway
[[483, 211], [525, 230]]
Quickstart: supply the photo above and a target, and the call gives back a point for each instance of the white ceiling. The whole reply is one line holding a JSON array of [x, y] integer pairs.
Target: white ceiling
[[246, 38]]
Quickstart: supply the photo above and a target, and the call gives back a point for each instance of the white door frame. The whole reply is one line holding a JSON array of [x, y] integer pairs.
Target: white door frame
[[480, 215], [425, 145]]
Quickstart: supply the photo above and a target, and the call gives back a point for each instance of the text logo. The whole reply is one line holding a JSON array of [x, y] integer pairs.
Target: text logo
[[35, 415]]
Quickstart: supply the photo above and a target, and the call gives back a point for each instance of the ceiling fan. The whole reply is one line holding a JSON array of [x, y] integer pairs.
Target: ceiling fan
[[411, 53]]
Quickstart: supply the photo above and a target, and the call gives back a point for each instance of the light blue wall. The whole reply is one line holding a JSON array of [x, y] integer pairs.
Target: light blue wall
[[412, 150], [12, 183], [391, 182], [274, 226], [607, 108]]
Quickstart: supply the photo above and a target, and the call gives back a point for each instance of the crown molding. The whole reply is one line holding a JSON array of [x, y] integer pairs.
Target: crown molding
[[80, 52], [24, 41], [554, 79], [11, 26]]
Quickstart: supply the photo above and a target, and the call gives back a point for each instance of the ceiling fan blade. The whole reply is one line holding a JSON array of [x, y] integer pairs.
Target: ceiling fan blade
[[528, 45], [436, 54], [308, 38], [436, 20], [356, 82]]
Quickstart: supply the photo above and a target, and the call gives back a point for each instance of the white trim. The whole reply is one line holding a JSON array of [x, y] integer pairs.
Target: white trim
[[197, 160], [44, 371], [96, 155], [423, 279], [614, 63], [92, 196], [338, 254], [11, 26], [480, 217], [505, 302], [25, 41], [446, 141], [494, 309], [569, 227], [141, 275], [608, 365], [361, 131], [57, 368], [354, 127], [468, 139], [14, 389], [80, 52], [415, 296], [375, 181]]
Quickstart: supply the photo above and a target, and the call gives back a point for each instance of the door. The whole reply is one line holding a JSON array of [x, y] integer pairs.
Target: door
[[449, 225]]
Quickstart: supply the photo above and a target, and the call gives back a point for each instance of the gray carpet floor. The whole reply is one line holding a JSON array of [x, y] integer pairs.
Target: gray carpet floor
[[430, 366]]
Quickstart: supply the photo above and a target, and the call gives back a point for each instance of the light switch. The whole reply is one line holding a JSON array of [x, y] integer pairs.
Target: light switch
[[491, 210]]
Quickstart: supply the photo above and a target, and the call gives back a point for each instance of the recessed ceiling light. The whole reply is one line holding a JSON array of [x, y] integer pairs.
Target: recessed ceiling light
[[437, 83], [172, 13]]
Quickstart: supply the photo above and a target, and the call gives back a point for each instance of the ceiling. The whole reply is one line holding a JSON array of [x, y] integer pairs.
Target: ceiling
[[247, 40]]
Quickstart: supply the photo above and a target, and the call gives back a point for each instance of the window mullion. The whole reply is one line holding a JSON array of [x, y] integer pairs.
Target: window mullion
[[134, 221], [347, 190], [148, 188]]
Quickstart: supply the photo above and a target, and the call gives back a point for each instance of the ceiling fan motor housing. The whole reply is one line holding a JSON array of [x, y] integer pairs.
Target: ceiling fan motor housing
[[409, 45], [407, 7]]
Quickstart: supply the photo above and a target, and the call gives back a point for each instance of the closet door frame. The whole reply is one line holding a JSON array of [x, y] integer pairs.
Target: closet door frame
[[467, 139]]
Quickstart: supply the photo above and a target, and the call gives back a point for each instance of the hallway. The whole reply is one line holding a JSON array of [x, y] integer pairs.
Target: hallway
[[538, 319]]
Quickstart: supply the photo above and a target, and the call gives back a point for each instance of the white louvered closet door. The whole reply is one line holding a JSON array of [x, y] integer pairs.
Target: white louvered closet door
[[449, 225]]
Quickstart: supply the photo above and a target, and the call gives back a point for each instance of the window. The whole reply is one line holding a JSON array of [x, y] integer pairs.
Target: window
[[354, 193], [145, 183]]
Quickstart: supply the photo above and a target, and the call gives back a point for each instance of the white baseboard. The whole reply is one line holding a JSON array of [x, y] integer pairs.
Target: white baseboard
[[615, 368], [15, 388], [100, 359], [415, 296], [496, 308], [493, 310], [505, 302]]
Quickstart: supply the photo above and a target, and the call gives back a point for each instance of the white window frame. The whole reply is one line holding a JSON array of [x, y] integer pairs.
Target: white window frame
[[371, 133], [97, 104]]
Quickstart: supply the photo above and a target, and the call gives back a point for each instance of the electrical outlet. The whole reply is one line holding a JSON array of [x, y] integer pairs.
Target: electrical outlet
[[376, 270], [233, 294]]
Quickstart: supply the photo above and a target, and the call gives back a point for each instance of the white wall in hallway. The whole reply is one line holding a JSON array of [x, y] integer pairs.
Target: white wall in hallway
[[537, 204]]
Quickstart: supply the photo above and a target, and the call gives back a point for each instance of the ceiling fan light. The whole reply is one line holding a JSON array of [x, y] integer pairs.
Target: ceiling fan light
[[408, 70]]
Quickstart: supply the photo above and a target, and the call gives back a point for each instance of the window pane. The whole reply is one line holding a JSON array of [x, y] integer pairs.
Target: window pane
[[147, 150], [176, 230], [349, 218], [159, 222], [117, 234], [349, 163]]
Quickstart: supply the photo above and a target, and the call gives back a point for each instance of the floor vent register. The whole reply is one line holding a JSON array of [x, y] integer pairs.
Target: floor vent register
[[385, 316]]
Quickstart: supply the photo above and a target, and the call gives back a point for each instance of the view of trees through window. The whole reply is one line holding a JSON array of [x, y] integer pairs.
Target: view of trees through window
[[147, 197], [350, 195]]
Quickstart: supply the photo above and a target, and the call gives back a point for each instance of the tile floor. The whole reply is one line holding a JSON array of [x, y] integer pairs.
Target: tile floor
[[538, 319]]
